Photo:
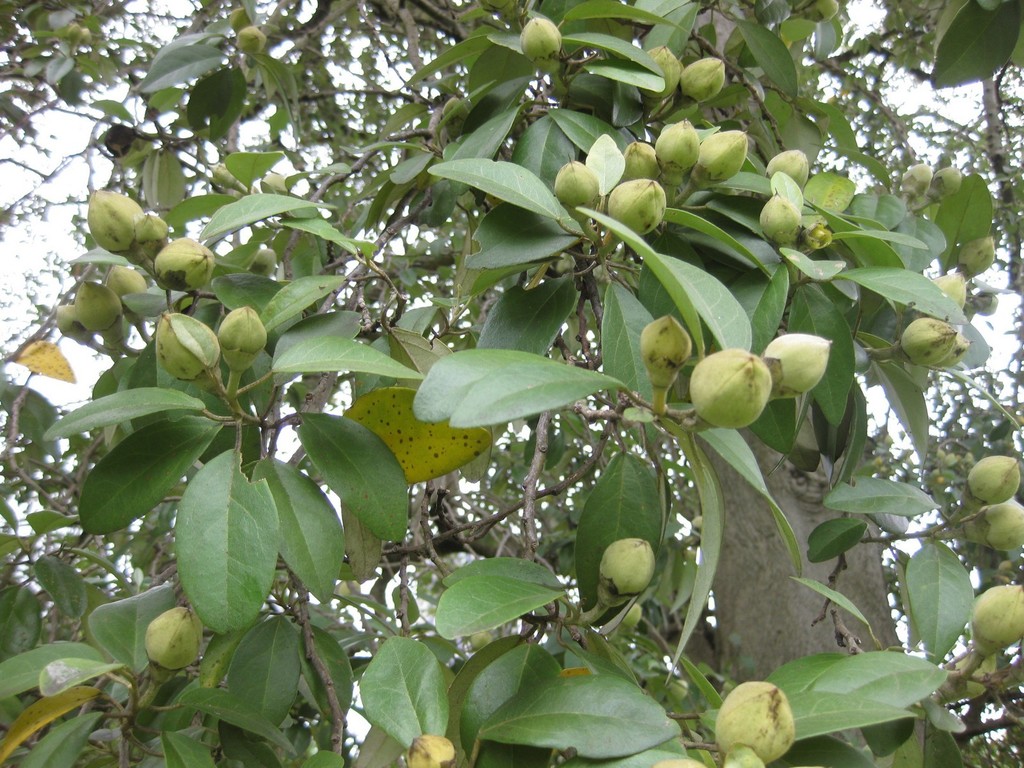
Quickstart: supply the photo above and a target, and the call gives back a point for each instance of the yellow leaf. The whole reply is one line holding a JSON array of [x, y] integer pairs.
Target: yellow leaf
[[424, 451], [46, 359], [42, 713]]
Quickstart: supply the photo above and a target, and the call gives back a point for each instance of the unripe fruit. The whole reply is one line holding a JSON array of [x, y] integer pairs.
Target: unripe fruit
[[429, 751], [480, 640], [926, 341], [664, 347], [264, 262], [793, 163], [632, 618], [703, 79], [627, 566], [184, 265], [186, 348], [961, 346], [780, 221], [756, 715], [576, 185], [111, 220], [916, 180], [641, 162], [677, 149], [173, 638], [945, 182], [242, 336], [730, 388], [985, 304], [78, 35], [742, 756], [67, 321], [541, 41], [639, 204], [976, 256], [125, 280], [225, 179], [817, 237], [802, 358], [1000, 526], [994, 479], [97, 307], [954, 285], [239, 19], [997, 620], [823, 10], [251, 40], [721, 157], [150, 228], [671, 67]]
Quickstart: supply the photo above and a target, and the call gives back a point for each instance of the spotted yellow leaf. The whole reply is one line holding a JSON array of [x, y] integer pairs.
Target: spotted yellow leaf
[[424, 451], [46, 359], [40, 714]]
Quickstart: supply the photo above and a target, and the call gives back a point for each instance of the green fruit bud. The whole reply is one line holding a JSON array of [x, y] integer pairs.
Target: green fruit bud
[[742, 756], [945, 182], [541, 42], [670, 69], [756, 715], [97, 307], [429, 751], [997, 620], [664, 347], [641, 162], [125, 280], [677, 149], [823, 10], [961, 346], [954, 285], [274, 183], [627, 566], [242, 337], [977, 256], [721, 157], [67, 323], [703, 79], [1000, 526], [817, 237], [793, 163], [173, 638], [632, 618], [186, 348], [150, 228], [111, 219], [480, 640], [184, 265], [928, 341], [639, 204], [985, 303], [78, 35], [264, 262], [780, 221], [994, 479], [576, 185], [730, 388], [916, 180], [239, 19], [251, 40], [802, 359]]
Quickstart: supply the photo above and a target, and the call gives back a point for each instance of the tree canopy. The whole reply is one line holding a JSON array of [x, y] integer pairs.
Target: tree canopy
[[501, 384]]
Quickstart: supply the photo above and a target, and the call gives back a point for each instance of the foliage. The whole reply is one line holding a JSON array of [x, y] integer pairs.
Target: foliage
[[379, 418]]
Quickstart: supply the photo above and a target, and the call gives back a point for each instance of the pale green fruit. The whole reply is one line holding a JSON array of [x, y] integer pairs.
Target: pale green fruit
[[945, 182], [916, 180], [671, 67], [264, 262], [721, 157], [677, 149], [823, 10], [961, 346], [632, 618], [703, 79], [817, 237], [742, 756], [242, 336], [186, 348], [994, 479], [184, 265], [664, 347], [576, 185], [125, 280], [985, 304], [954, 285], [111, 219], [927, 341], [802, 360], [1000, 526], [641, 162], [639, 204], [173, 638], [997, 620], [97, 307], [251, 40], [977, 256], [793, 163], [429, 751], [239, 19], [730, 388], [780, 221], [756, 715], [150, 228], [541, 41], [627, 566]]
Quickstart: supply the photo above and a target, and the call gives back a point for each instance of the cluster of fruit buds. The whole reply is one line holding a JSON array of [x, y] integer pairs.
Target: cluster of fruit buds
[[933, 343], [173, 639], [430, 751], [997, 619], [697, 81], [921, 183], [627, 566], [755, 715]]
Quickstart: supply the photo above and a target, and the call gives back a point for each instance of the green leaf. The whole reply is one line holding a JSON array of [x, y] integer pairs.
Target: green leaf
[[626, 72], [140, 470], [830, 751], [543, 149], [702, 225], [21, 673], [612, 9], [607, 162], [216, 102], [480, 387], [121, 407], [941, 596], [63, 674], [507, 567], [358, 466], [404, 691], [909, 288], [249, 166], [833, 537], [624, 504], [334, 353], [296, 297], [906, 397], [61, 747], [872, 495], [583, 129], [771, 55], [179, 64], [312, 539], [326, 231], [891, 678], [830, 191], [265, 668], [227, 537], [249, 210], [819, 270], [243, 289], [471, 46], [225, 706], [813, 312], [623, 321], [601, 716], [338, 667], [486, 140], [839, 599], [817, 714], [120, 627], [977, 43], [965, 216], [528, 320], [478, 603], [64, 583], [510, 236]]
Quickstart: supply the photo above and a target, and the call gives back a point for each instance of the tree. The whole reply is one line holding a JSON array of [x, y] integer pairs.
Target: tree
[[502, 375]]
